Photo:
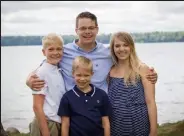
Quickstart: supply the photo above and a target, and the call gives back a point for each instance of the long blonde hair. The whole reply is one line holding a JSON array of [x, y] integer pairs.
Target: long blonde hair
[[132, 75]]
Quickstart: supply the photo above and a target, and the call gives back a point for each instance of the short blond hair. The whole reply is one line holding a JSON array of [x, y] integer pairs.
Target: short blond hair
[[52, 38], [81, 61]]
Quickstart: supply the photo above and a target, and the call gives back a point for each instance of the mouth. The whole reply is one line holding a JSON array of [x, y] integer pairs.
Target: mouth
[[87, 37], [58, 57]]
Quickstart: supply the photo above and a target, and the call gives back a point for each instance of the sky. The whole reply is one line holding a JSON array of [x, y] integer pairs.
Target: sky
[[42, 17]]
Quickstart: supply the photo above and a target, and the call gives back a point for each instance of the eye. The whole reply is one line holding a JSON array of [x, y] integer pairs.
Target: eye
[[82, 28], [51, 49], [59, 49], [116, 45], [91, 28]]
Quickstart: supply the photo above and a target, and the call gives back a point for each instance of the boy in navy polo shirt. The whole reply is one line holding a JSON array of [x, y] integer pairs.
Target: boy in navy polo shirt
[[85, 109]]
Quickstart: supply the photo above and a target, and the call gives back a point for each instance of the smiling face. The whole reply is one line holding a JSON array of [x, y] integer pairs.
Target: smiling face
[[87, 31], [52, 48], [82, 76], [121, 49], [53, 53], [82, 70]]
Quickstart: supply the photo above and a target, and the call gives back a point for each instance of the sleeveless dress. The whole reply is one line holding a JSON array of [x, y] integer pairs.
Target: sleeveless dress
[[129, 110]]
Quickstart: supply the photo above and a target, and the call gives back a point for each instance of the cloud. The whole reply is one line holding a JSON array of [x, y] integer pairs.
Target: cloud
[[40, 17]]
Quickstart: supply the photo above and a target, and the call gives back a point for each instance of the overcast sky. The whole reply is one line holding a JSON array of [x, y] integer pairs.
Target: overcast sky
[[42, 17]]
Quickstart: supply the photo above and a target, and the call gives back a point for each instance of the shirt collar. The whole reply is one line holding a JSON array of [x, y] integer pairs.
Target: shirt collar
[[79, 93], [78, 48], [50, 66]]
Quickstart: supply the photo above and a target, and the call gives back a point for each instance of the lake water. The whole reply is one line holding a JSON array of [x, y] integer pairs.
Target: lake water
[[18, 62]]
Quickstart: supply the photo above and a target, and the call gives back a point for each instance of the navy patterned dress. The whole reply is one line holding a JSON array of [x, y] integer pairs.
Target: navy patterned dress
[[129, 111]]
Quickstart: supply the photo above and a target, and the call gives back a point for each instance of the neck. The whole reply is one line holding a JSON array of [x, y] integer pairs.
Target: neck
[[51, 63], [86, 89], [86, 47], [125, 64]]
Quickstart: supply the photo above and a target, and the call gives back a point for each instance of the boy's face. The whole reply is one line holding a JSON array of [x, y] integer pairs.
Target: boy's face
[[82, 77], [53, 53], [86, 30]]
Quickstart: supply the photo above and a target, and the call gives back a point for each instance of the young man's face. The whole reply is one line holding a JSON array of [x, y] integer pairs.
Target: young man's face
[[82, 77], [53, 53], [86, 30]]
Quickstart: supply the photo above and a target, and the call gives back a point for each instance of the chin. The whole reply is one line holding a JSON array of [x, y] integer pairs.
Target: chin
[[88, 42], [55, 62]]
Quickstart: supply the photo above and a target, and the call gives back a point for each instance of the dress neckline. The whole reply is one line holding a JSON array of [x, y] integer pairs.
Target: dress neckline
[[117, 77]]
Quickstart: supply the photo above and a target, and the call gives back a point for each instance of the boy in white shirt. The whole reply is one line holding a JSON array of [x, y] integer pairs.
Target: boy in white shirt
[[46, 102]]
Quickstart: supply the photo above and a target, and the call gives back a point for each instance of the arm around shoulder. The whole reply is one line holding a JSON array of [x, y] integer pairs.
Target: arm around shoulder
[[149, 91]]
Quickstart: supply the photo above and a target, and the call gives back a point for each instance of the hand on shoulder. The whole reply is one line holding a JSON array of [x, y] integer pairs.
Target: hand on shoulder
[[144, 70]]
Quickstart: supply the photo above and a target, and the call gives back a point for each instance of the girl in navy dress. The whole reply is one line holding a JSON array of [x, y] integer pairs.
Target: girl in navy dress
[[132, 96]]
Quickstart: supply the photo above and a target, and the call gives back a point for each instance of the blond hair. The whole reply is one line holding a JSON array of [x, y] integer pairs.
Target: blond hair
[[81, 61], [52, 38], [132, 75]]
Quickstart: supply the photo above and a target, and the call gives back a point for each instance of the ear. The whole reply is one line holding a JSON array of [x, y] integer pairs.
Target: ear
[[72, 73], [97, 30], [92, 73], [43, 51], [76, 31]]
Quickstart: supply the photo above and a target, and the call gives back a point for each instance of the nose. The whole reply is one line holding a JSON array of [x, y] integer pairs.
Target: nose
[[87, 31], [121, 48], [56, 52], [82, 78]]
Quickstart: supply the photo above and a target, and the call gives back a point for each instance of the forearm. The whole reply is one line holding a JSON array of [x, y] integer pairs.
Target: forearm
[[107, 130], [152, 111], [65, 129], [42, 122]]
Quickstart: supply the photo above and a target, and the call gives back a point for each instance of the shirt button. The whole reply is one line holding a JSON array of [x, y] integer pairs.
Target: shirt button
[[86, 100]]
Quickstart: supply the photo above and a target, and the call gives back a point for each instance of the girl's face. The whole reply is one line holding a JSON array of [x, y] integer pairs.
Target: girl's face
[[121, 49]]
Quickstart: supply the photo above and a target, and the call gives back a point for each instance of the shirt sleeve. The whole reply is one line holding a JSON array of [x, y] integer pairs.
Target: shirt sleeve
[[64, 108], [43, 91], [106, 107]]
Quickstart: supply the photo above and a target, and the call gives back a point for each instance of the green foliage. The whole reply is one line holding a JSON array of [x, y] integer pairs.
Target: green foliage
[[103, 38], [171, 129]]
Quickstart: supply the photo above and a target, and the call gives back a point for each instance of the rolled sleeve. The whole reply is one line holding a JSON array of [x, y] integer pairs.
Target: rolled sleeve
[[43, 91]]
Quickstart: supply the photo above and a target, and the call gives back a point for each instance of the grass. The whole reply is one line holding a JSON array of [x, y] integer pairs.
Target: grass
[[168, 129], [171, 129]]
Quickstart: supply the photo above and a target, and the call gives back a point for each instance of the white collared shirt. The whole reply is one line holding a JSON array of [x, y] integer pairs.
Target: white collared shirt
[[53, 90]]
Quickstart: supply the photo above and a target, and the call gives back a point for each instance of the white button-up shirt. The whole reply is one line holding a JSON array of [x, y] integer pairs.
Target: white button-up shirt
[[53, 90]]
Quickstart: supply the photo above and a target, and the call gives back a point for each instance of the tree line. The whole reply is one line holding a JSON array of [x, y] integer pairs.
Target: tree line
[[146, 37]]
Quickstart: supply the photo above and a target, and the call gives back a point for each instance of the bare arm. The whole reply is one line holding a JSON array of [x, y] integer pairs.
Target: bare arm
[[106, 125], [38, 101], [149, 91], [34, 82], [65, 126]]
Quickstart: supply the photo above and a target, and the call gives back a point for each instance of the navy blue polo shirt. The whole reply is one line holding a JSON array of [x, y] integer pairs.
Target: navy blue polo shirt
[[85, 111]]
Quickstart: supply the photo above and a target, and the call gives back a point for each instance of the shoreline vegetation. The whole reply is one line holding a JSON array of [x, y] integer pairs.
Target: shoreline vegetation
[[167, 129], [146, 37]]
